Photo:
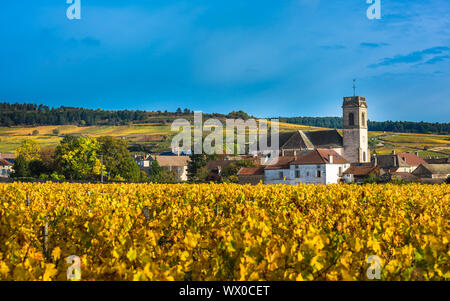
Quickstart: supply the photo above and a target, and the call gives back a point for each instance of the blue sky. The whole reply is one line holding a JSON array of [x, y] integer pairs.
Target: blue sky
[[268, 58]]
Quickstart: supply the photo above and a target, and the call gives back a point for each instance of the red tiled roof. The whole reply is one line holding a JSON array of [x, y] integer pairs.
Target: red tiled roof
[[411, 159], [251, 171], [280, 163], [4, 163], [406, 176], [360, 170], [320, 156]]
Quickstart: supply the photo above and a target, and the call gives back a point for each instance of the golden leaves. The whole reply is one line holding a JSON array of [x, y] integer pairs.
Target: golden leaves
[[225, 232]]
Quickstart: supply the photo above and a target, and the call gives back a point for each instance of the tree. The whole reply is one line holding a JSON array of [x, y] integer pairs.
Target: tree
[[155, 169], [78, 158], [20, 168], [117, 160], [37, 168], [197, 161], [229, 174], [29, 149], [47, 157]]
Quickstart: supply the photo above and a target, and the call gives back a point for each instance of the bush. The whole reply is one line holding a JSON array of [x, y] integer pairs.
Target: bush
[[44, 177], [35, 133], [56, 176]]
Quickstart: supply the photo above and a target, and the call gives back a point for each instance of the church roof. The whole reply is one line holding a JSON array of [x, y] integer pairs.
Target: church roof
[[312, 140], [308, 140], [320, 156]]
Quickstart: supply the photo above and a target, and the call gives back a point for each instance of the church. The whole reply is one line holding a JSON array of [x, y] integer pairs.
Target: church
[[318, 157], [352, 145]]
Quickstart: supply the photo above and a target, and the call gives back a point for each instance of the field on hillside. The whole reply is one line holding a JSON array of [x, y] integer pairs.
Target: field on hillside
[[156, 135], [425, 144], [159, 136], [224, 231]]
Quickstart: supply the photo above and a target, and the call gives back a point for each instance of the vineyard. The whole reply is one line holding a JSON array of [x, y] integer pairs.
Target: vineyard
[[224, 231]]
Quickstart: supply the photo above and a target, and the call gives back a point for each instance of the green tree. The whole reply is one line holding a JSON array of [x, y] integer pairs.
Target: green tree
[[155, 169], [78, 158], [117, 160], [197, 161], [229, 174], [37, 168], [29, 149], [20, 168]]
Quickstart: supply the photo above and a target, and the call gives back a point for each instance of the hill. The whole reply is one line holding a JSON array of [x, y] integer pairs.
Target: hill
[[156, 137], [37, 115]]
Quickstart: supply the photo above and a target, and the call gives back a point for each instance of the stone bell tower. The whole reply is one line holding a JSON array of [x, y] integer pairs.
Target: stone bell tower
[[356, 144]]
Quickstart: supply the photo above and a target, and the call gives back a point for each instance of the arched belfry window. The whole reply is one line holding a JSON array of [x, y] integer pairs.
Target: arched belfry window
[[363, 119], [351, 119]]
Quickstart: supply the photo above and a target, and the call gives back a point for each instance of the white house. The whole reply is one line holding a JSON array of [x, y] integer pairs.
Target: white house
[[5, 168], [319, 166], [178, 164]]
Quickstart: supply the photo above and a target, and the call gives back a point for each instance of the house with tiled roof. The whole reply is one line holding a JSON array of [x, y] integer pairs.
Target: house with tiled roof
[[432, 171], [6, 168], [318, 166], [251, 175], [358, 173], [401, 162], [178, 164]]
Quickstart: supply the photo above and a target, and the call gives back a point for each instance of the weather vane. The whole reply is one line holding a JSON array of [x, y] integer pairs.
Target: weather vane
[[354, 87]]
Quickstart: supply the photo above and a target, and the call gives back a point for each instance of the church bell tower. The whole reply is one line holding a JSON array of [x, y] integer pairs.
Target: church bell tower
[[355, 134]]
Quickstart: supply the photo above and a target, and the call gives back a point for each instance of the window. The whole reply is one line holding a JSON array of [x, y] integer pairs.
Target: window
[[363, 119], [307, 173], [351, 119], [297, 173], [280, 174], [340, 171], [364, 156], [319, 174]]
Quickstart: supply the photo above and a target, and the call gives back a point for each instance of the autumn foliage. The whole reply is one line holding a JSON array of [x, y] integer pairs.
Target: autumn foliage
[[224, 231]]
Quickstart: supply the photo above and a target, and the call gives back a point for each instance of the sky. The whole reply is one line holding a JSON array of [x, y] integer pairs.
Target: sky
[[269, 58]]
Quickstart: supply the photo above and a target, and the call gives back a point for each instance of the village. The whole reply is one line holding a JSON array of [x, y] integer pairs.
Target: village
[[305, 157]]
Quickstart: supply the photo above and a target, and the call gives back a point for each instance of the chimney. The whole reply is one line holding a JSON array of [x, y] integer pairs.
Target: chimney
[[417, 154], [330, 159], [375, 160], [393, 152]]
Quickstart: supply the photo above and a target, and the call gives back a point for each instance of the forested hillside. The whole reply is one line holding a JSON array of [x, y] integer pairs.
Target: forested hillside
[[35, 115]]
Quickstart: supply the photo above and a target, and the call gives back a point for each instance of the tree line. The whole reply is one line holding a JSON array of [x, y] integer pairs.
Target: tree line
[[380, 126], [33, 115], [84, 159]]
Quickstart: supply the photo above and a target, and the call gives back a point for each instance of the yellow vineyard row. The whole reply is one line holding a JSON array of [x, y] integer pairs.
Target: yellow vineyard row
[[224, 231]]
